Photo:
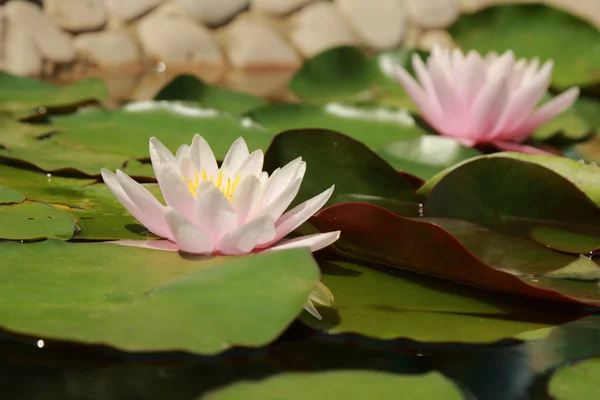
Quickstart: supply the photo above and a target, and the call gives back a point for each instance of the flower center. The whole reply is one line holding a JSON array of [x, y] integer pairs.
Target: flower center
[[227, 186]]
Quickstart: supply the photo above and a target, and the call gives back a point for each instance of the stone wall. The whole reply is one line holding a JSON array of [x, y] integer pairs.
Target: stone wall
[[120, 35]]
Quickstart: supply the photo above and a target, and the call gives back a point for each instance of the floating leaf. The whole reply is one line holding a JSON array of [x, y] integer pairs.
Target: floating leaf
[[24, 96], [427, 155], [34, 221], [576, 382], [339, 74], [9, 196], [147, 300], [464, 252], [375, 126], [127, 130], [389, 304], [341, 385], [563, 240], [332, 158], [526, 29], [188, 87]]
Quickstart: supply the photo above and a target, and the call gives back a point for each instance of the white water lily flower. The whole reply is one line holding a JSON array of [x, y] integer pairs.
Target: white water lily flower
[[484, 100], [236, 209]]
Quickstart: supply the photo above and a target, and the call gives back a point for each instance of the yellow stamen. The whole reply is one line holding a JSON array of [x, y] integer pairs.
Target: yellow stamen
[[228, 190]]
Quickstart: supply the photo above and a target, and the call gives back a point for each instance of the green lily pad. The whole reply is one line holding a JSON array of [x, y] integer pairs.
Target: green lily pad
[[375, 126], [375, 303], [575, 382], [99, 215], [348, 385], [188, 87], [516, 193], [23, 96], [427, 155], [339, 74], [148, 300], [9, 196], [563, 240], [30, 221], [536, 31], [332, 158], [126, 131]]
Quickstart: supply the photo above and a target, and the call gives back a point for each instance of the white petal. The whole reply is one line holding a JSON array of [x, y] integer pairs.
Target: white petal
[[189, 238], [281, 179], [243, 239], [278, 205], [164, 245], [312, 242], [309, 306], [142, 198], [237, 154], [160, 154], [296, 216], [203, 156], [322, 295], [153, 221], [253, 164], [246, 197], [214, 214], [182, 152], [548, 111], [175, 191]]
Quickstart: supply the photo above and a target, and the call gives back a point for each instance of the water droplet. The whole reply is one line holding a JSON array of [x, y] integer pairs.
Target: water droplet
[[22, 241], [49, 175], [40, 343], [161, 67], [42, 110], [534, 280]]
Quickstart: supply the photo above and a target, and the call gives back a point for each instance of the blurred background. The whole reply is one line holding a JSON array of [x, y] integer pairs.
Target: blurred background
[[254, 46]]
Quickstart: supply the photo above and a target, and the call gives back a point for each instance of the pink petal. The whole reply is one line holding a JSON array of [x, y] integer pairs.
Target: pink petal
[[548, 111], [164, 245], [431, 112], [175, 191], [472, 78], [520, 148], [453, 107], [522, 102], [253, 164], [488, 107], [114, 185], [189, 238], [243, 239], [236, 155], [312, 242], [203, 156], [246, 197], [299, 214], [214, 214], [423, 76]]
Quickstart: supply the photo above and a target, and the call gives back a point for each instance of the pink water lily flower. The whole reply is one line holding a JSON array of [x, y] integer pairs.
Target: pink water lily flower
[[489, 100], [236, 209]]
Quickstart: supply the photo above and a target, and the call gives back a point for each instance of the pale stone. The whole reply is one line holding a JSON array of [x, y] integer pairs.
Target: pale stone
[[76, 15], [321, 26], [380, 24], [172, 8], [108, 49], [433, 13], [21, 56], [588, 10], [131, 9], [279, 7], [2, 37], [178, 40], [435, 37], [54, 44], [250, 44], [213, 13]]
